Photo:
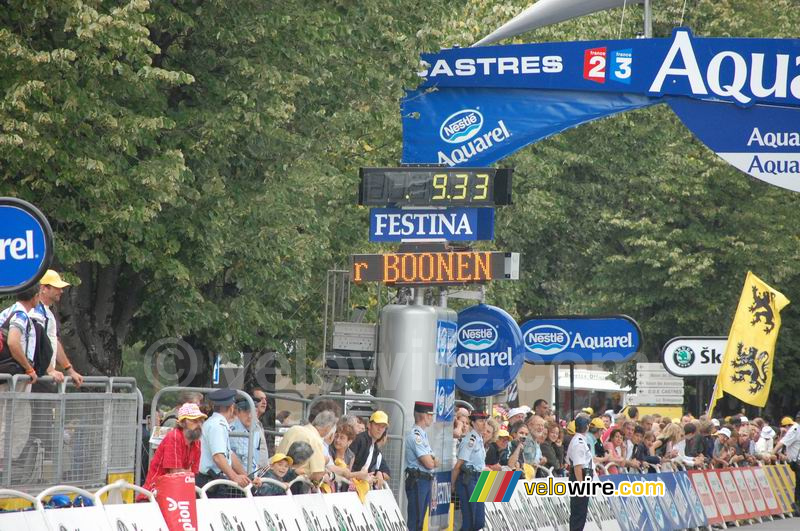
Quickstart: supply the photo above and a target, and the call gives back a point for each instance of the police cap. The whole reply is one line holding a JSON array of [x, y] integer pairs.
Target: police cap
[[423, 407], [222, 397], [477, 415]]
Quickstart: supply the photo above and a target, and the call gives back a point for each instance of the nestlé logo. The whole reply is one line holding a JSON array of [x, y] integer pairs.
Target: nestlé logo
[[477, 335], [461, 126], [546, 340]]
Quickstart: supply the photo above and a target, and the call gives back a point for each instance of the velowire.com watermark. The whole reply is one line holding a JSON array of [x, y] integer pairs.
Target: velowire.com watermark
[[594, 488]]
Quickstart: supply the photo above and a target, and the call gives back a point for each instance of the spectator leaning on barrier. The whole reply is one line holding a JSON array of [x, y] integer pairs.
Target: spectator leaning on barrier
[[690, 449], [19, 332], [791, 441], [279, 468], [239, 445], [216, 458], [322, 423], [52, 286], [641, 456], [498, 452], [552, 451], [614, 448], [180, 449], [722, 454], [765, 444], [367, 452], [519, 436]]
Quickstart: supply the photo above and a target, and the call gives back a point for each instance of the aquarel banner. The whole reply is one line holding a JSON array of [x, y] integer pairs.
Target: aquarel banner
[[740, 97]]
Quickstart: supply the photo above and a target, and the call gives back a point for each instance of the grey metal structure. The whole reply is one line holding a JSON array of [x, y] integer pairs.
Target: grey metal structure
[[407, 351], [77, 438], [546, 12]]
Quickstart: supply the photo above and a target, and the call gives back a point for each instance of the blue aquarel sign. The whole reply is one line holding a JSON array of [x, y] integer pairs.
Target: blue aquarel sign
[[26, 245], [489, 354], [551, 340], [741, 97], [450, 224]]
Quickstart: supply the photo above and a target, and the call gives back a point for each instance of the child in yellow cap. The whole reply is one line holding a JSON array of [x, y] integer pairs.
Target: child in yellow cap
[[279, 466]]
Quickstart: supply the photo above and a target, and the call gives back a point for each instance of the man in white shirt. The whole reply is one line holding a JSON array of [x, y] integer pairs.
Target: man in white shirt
[[579, 457], [792, 443], [52, 286], [18, 358]]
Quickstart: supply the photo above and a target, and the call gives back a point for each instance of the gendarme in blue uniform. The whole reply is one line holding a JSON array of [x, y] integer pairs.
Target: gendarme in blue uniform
[[418, 477], [472, 452]]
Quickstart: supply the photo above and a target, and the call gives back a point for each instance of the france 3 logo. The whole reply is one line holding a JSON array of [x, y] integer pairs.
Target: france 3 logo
[[596, 65]]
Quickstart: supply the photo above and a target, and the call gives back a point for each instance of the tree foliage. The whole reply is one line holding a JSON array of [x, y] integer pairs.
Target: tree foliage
[[198, 162]]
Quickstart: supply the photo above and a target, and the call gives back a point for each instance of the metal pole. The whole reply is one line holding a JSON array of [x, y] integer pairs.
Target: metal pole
[[648, 20], [557, 401], [572, 391], [419, 296]]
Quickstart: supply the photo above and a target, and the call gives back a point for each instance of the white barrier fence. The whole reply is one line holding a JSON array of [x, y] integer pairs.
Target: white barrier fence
[[313, 512]]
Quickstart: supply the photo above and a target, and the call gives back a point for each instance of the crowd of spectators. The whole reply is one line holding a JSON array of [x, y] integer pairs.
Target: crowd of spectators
[[208, 436], [535, 441]]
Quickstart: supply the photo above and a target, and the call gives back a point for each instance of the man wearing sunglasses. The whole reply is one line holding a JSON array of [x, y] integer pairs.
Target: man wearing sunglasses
[[260, 401]]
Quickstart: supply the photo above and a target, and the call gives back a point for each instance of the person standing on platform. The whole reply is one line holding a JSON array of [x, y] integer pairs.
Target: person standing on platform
[[579, 457], [420, 463], [469, 465]]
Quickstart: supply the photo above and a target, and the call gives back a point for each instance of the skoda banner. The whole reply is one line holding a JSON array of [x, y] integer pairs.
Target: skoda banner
[[741, 97], [26, 245], [552, 340], [694, 356], [489, 354]]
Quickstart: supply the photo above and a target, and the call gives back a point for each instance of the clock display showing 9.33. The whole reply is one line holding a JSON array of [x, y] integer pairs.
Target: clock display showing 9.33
[[434, 186]]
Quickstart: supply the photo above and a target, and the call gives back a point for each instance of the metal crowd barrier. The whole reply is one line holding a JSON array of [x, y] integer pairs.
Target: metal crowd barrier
[[78, 438]]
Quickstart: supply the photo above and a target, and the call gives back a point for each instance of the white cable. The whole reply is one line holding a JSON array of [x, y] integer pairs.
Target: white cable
[[683, 11], [622, 19]]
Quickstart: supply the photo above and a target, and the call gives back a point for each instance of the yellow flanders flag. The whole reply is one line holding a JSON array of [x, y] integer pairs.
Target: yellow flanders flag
[[746, 371]]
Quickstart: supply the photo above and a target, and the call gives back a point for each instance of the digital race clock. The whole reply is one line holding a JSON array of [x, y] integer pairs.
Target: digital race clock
[[434, 186]]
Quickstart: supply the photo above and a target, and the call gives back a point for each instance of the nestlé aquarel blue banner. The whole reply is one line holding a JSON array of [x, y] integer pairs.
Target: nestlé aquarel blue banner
[[580, 339], [26, 245], [489, 354], [741, 97]]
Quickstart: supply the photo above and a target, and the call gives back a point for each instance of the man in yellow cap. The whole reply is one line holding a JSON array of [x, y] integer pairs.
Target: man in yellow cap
[[368, 455], [52, 286]]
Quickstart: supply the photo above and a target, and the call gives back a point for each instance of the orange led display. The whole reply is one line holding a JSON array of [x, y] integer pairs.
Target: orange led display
[[451, 267]]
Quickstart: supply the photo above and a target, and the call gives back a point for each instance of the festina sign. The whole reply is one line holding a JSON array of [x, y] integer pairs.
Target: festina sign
[[451, 224], [445, 267], [694, 356]]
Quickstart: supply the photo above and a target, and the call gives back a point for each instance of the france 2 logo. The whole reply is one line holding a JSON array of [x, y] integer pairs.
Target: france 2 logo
[[595, 62]]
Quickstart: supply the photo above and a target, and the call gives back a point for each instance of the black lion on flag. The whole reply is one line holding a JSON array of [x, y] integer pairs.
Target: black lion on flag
[[762, 309], [753, 365]]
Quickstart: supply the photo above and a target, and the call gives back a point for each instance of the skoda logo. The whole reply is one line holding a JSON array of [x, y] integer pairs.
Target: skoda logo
[[461, 126], [546, 340], [477, 335], [440, 399], [683, 357]]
